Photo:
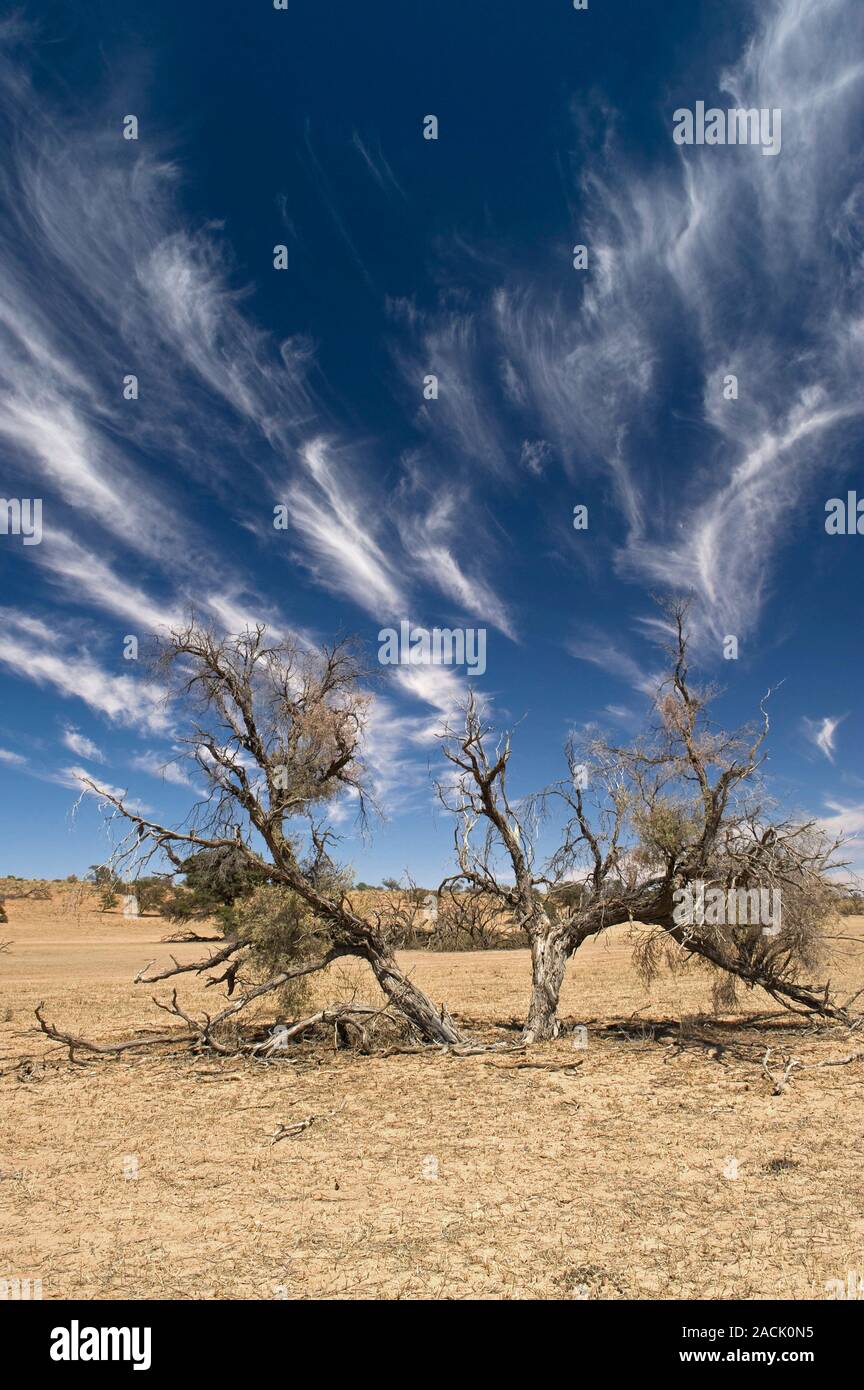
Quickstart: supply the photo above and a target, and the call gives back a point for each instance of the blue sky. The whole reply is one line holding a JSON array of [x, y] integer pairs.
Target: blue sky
[[304, 387]]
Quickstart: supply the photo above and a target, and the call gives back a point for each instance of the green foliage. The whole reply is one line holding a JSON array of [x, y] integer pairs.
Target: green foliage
[[151, 892], [214, 881], [107, 883], [665, 830], [284, 934], [567, 897], [103, 876]]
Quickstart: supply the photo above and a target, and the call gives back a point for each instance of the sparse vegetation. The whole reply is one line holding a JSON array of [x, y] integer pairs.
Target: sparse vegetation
[[637, 826], [682, 805], [291, 936], [298, 719], [663, 1094]]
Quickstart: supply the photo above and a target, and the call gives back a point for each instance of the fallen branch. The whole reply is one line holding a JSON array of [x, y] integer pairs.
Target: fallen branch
[[291, 1131], [181, 936], [73, 1042], [452, 1050], [202, 1031], [337, 1013], [538, 1066], [837, 1061], [780, 1083]]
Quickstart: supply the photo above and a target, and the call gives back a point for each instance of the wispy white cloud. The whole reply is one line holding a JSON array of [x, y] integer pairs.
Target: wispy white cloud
[[13, 759], [398, 770], [622, 714], [378, 166], [89, 576], [845, 823], [821, 733], [702, 258], [443, 687], [534, 454], [471, 593], [331, 202], [82, 780], [165, 767], [123, 699], [790, 422], [100, 276], [185, 280], [593, 646], [433, 526], [844, 819], [81, 745], [338, 527], [449, 346]]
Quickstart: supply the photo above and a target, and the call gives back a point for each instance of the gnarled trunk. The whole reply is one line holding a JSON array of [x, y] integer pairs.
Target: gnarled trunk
[[408, 999], [549, 957]]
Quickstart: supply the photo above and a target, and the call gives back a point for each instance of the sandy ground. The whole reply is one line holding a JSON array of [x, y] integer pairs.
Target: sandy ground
[[661, 1167]]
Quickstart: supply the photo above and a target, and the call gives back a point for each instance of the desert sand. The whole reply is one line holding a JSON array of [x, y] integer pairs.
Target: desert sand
[[655, 1163]]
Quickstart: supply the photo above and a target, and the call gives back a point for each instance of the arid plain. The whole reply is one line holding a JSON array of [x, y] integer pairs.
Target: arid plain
[[657, 1162]]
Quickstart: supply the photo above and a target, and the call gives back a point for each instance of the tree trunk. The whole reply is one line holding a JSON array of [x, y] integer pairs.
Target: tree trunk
[[549, 957], [409, 1000]]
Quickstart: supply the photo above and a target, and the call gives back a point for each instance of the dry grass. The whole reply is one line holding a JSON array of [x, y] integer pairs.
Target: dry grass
[[426, 1176]]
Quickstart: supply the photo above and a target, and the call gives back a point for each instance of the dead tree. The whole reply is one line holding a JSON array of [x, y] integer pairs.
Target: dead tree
[[638, 828], [275, 733], [470, 921]]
